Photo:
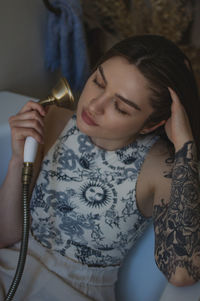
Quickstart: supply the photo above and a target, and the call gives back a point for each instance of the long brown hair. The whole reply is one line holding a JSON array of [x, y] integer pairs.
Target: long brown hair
[[164, 65]]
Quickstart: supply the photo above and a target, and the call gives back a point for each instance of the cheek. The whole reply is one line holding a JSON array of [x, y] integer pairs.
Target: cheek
[[81, 98], [128, 127], [86, 95], [82, 101], [118, 125]]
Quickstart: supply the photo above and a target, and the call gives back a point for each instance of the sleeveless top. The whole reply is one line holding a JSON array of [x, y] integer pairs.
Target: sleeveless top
[[84, 202]]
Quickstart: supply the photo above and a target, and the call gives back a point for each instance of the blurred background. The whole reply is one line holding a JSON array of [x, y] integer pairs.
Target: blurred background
[[26, 31], [42, 40]]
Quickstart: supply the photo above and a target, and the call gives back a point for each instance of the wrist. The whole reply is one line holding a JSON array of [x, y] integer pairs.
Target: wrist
[[16, 161], [187, 150], [188, 141]]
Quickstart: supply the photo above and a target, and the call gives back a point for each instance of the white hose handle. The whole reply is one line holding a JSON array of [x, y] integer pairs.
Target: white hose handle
[[30, 149]]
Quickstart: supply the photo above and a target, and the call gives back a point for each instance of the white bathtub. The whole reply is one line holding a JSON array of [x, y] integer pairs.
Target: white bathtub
[[140, 279]]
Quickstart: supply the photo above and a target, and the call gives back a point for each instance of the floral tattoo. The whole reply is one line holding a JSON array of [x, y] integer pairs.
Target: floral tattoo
[[177, 222]]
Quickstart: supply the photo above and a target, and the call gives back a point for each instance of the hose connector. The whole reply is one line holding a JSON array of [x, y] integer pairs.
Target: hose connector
[[27, 173]]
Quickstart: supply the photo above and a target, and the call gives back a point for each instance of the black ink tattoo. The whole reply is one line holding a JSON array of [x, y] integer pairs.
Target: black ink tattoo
[[169, 161], [168, 175], [177, 222]]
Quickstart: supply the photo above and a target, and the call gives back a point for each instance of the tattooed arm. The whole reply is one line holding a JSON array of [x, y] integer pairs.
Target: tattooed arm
[[177, 221], [177, 215]]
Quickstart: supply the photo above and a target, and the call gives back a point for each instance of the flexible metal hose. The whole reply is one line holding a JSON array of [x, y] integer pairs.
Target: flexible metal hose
[[26, 179], [62, 97]]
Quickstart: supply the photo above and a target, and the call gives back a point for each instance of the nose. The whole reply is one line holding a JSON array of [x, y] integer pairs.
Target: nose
[[98, 105]]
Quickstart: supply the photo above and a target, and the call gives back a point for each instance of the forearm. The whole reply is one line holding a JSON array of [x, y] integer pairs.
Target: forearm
[[10, 204], [177, 222], [27, 122]]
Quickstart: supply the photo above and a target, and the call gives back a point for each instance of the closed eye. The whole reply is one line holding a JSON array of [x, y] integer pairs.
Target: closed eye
[[118, 109], [98, 83], [102, 86]]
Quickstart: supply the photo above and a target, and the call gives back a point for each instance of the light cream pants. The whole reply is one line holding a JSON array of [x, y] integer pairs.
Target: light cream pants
[[52, 277]]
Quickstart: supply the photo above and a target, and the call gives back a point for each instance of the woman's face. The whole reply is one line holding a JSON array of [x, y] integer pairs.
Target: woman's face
[[114, 104]]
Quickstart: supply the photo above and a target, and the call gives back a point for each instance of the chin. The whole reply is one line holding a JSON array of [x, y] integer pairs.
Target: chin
[[82, 126]]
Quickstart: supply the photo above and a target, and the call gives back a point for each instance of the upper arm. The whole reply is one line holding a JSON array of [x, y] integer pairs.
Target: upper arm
[[162, 179], [154, 181]]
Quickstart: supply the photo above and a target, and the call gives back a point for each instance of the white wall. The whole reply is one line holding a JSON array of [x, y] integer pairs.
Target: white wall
[[22, 44]]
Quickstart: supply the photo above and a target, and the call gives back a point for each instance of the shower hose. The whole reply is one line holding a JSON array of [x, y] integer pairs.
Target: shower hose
[[26, 180], [61, 96]]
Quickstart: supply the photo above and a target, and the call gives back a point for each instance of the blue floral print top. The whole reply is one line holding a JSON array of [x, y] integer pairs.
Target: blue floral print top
[[84, 202]]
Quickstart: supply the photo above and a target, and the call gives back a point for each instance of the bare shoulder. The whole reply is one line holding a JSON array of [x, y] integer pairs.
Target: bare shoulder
[[160, 159], [155, 173], [55, 122]]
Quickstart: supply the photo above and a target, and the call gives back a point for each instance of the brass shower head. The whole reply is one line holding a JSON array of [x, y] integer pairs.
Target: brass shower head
[[61, 95]]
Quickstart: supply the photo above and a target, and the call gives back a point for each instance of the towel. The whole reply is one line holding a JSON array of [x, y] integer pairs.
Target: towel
[[66, 46]]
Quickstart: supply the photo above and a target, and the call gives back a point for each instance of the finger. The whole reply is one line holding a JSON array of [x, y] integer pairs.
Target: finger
[[174, 96], [32, 105], [20, 134], [34, 124], [168, 123], [176, 103], [30, 115]]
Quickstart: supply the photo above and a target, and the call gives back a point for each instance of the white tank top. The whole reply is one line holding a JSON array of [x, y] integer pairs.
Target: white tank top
[[84, 202]]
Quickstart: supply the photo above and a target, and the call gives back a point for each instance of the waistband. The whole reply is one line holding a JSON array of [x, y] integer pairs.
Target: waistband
[[67, 267]]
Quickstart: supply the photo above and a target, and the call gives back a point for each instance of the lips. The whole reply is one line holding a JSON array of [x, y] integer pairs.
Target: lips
[[87, 119]]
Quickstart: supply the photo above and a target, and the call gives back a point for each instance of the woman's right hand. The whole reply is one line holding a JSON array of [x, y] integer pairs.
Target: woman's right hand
[[28, 122]]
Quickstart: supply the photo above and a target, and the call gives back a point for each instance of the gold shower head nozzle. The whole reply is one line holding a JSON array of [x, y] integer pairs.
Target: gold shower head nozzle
[[61, 95]]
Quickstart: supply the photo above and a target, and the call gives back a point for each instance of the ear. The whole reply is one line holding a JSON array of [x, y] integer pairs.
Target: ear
[[153, 128]]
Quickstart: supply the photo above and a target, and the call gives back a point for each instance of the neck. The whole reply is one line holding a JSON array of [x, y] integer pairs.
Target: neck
[[111, 145]]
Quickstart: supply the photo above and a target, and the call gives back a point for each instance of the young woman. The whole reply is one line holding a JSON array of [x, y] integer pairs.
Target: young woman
[[129, 152]]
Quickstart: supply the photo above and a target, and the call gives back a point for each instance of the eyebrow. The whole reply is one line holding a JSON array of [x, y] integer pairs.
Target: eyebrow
[[127, 101], [100, 68]]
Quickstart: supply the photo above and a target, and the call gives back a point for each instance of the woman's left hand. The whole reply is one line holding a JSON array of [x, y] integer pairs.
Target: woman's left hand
[[178, 127]]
